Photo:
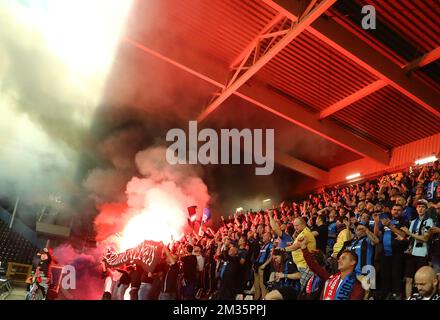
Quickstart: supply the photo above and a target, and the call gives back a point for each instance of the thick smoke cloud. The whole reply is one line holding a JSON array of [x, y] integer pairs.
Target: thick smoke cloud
[[46, 106], [104, 185], [48, 103], [55, 56], [178, 186], [122, 145]]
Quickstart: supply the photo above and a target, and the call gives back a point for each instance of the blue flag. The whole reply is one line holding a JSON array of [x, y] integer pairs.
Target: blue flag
[[206, 214]]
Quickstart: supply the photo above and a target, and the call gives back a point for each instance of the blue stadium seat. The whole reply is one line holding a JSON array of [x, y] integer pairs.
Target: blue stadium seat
[[14, 248]]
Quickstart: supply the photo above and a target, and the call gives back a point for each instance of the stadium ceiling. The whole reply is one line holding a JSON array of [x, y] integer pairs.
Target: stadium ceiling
[[310, 63]]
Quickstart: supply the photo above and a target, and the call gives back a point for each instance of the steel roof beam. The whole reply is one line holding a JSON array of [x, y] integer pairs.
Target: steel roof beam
[[239, 78], [356, 96], [423, 60], [348, 44], [301, 167], [268, 100]]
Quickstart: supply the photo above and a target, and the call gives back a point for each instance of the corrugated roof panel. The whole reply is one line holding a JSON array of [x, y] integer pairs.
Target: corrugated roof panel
[[289, 138], [405, 30], [315, 73], [222, 28], [388, 116], [417, 21], [308, 69]]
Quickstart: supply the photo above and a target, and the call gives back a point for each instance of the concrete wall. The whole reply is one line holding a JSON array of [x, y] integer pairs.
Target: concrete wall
[[403, 156]]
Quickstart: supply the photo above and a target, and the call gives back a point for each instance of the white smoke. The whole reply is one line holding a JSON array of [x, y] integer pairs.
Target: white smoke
[[54, 60]]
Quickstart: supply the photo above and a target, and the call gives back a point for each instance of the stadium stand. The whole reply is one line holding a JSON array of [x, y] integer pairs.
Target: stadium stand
[[14, 247]]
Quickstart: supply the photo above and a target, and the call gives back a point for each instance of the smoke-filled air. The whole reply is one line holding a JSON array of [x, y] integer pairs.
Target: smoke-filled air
[[100, 169]]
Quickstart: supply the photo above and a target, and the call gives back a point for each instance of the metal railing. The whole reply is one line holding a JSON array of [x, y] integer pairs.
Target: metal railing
[[5, 288]]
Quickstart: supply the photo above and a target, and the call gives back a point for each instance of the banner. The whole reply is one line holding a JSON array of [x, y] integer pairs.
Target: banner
[[192, 215], [192, 212], [148, 253]]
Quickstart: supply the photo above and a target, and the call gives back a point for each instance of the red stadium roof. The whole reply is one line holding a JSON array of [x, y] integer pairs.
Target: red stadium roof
[[334, 84]]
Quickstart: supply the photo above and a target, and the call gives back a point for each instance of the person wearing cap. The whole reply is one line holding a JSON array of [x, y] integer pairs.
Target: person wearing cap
[[418, 250], [43, 272]]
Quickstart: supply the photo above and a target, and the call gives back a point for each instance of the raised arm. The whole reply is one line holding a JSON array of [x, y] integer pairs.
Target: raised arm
[[376, 224], [373, 238], [274, 225], [421, 177], [383, 185], [237, 223], [219, 250], [347, 226], [168, 254], [311, 262]]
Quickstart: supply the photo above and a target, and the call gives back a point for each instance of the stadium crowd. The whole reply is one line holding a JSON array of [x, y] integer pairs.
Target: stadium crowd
[[374, 240], [379, 239]]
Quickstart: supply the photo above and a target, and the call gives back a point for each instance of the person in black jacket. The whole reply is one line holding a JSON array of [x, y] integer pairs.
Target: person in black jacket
[[122, 285], [284, 277], [189, 268], [320, 231], [168, 289], [230, 275], [135, 274], [393, 257]]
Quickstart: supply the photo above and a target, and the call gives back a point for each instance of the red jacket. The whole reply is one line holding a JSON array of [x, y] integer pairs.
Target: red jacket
[[356, 294]]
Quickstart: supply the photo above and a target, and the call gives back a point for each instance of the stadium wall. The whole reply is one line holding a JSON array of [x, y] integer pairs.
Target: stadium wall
[[401, 157]]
